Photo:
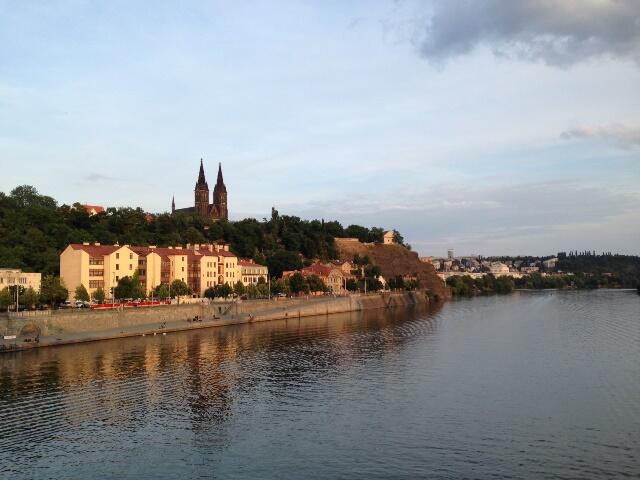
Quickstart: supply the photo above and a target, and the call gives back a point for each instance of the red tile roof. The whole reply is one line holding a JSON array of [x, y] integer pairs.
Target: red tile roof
[[97, 208], [96, 250], [244, 262]]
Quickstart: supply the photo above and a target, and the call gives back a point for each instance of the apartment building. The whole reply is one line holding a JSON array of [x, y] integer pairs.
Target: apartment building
[[10, 277], [251, 272], [101, 266]]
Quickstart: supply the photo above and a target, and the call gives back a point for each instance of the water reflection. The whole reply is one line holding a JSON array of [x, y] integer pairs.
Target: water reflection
[[192, 377], [531, 385]]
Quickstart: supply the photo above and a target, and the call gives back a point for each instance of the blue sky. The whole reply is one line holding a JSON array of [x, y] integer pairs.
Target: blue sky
[[487, 127]]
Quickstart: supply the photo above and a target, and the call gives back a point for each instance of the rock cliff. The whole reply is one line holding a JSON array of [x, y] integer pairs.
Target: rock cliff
[[395, 260]]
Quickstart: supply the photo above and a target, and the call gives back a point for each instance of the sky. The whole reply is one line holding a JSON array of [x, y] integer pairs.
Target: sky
[[487, 126]]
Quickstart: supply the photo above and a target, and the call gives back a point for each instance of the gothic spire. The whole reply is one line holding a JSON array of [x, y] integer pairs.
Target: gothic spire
[[220, 181], [201, 179], [173, 204]]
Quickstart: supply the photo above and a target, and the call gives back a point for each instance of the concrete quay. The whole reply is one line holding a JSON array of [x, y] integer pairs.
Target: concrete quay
[[62, 327]]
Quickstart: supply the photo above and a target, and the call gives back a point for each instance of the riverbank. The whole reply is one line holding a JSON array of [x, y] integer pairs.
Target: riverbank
[[64, 327]]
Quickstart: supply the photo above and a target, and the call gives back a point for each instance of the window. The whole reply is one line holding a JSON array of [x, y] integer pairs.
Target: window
[[183, 269], [96, 261], [96, 272], [96, 284], [117, 255], [130, 267], [117, 266], [131, 256], [117, 278]]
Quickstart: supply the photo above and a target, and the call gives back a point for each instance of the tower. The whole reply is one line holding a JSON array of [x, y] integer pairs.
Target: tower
[[173, 205], [202, 193], [220, 210]]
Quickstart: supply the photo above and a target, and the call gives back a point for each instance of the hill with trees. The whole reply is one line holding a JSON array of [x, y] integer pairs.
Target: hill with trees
[[35, 229]]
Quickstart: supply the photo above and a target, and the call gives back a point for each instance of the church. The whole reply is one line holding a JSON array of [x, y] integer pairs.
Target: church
[[216, 210]]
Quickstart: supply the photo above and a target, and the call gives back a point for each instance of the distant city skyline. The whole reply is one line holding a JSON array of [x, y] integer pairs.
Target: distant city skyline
[[510, 134]]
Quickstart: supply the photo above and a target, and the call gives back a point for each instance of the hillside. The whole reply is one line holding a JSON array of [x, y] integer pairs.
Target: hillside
[[394, 260], [35, 229]]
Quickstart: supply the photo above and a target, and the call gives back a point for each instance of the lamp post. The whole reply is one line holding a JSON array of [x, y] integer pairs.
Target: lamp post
[[113, 290]]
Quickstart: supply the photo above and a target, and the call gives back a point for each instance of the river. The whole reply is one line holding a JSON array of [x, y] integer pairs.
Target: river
[[529, 385]]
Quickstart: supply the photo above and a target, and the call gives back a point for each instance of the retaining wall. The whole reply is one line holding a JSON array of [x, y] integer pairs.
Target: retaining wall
[[72, 322]]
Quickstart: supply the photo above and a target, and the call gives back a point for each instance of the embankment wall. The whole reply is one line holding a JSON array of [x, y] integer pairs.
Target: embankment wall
[[65, 322]]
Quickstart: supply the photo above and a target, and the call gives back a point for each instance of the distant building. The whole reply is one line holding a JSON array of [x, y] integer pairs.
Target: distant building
[[388, 238], [251, 272], [10, 277], [498, 268], [550, 264], [217, 210], [450, 255], [94, 209], [529, 269], [331, 276]]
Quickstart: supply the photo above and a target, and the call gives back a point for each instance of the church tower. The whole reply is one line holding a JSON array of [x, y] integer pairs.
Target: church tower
[[202, 193], [220, 210]]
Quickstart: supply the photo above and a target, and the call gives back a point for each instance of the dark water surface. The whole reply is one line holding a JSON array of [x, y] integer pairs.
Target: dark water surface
[[531, 385]]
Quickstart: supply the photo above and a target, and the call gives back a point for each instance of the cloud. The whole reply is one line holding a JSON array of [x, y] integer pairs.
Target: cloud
[[624, 137], [98, 177], [535, 218], [557, 32]]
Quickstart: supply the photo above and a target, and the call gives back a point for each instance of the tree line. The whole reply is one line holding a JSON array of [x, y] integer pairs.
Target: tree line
[[35, 229]]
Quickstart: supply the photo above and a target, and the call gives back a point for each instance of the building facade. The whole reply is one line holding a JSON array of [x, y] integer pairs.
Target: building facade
[[10, 277], [218, 210], [251, 272], [199, 266], [332, 276]]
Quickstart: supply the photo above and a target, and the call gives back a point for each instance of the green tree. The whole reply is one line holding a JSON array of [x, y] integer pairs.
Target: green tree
[[279, 286], [179, 288], [29, 298], [130, 287], [223, 291], [351, 285], [238, 288], [81, 293], [210, 292], [5, 298], [52, 290], [298, 284], [283, 260], [99, 295], [162, 291], [316, 284]]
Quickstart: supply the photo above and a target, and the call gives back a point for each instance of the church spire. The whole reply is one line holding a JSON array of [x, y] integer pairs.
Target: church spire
[[173, 204], [219, 181], [201, 179]]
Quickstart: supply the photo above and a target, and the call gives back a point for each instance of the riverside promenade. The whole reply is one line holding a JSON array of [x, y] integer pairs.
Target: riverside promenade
[[60, 327]]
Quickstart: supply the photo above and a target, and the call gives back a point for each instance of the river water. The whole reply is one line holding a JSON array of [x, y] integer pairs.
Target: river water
[[530, 385]]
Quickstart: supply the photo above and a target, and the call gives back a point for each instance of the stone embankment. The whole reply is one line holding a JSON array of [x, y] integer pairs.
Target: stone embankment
[[72, 326]]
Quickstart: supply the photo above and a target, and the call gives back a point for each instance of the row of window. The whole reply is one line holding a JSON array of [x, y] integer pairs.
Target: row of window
[[12, 280], [96, 273], [96, 284]]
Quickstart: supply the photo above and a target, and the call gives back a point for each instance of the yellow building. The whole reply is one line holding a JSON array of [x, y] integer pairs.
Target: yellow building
[[251, 272], [101, 266], [10, 277], [96, 266], [388, 238]]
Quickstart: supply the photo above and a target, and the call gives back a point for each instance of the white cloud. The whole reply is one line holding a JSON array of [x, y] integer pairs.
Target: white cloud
[[625, 137]]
